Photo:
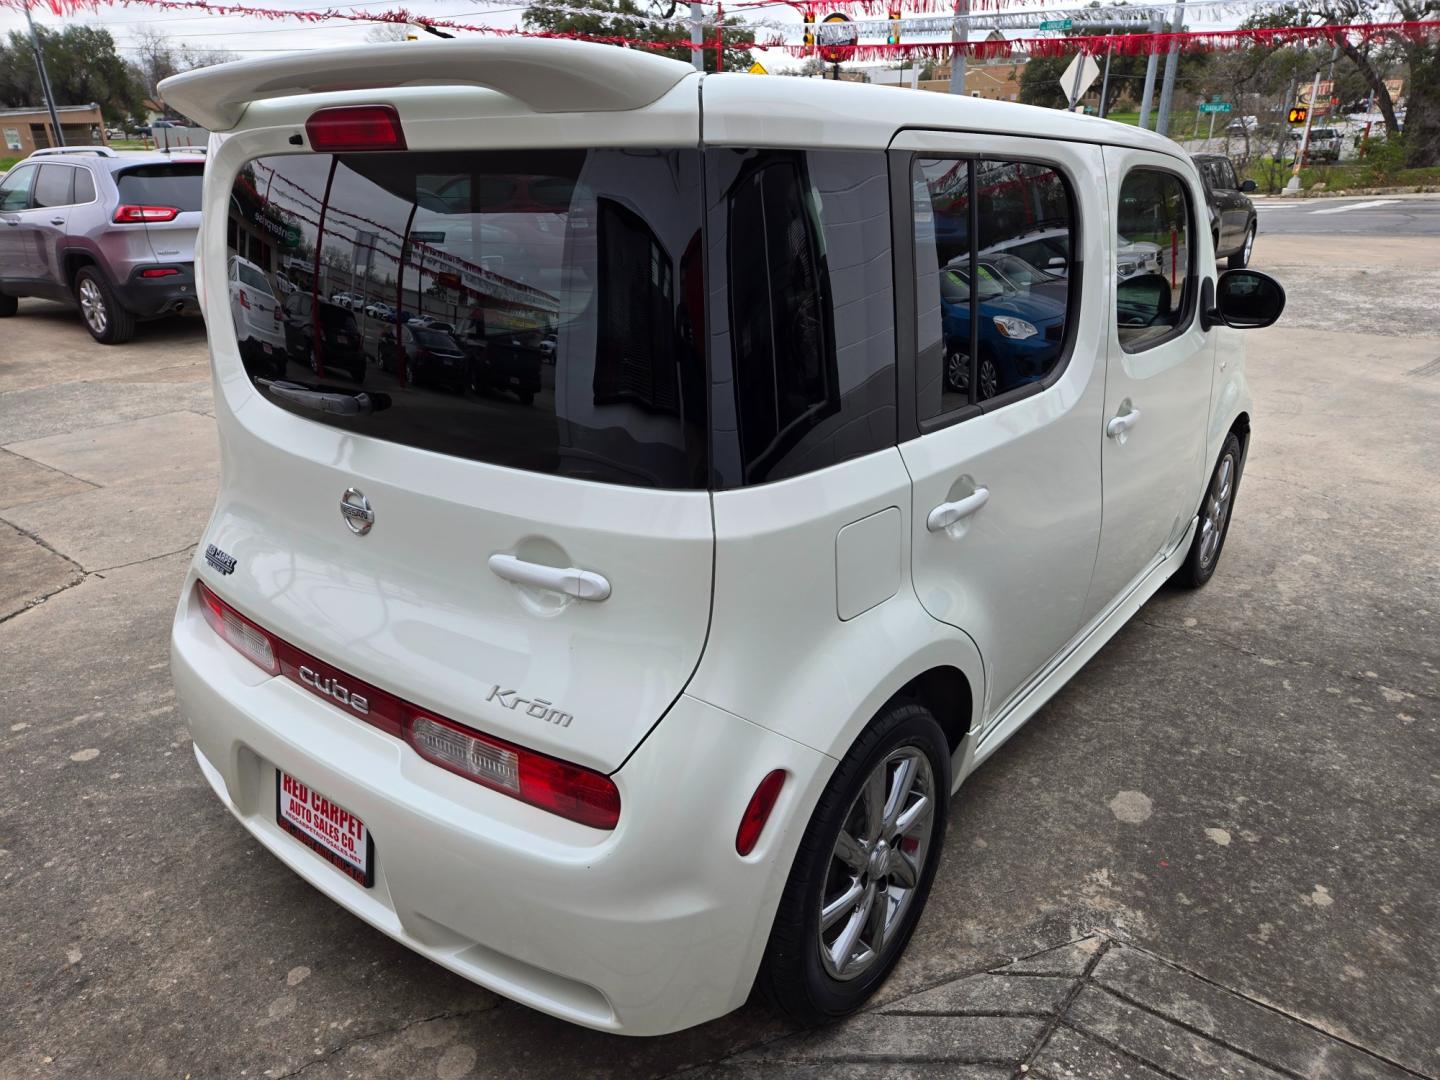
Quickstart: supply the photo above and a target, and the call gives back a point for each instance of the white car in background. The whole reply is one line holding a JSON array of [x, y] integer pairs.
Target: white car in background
[[258, 316], [655, 689]]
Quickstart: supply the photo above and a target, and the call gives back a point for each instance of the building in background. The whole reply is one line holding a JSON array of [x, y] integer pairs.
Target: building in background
[[23, 131]]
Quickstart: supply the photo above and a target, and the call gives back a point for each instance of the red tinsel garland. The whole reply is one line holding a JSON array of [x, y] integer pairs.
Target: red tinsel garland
[[1144, 44]]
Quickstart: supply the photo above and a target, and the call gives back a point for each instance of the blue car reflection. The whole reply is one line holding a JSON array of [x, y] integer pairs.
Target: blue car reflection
[[1022, 324]]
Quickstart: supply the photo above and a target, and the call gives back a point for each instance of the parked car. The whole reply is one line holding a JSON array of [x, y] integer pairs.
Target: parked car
[[348, 301], [429, 357], [1049, 249], [505, 361], [1020, 329], [341, 346], [656, 692], [1233, 221], [1242, 124], [378, 309], [113, 234], [432, 322], [258, 318], [1324, 145]]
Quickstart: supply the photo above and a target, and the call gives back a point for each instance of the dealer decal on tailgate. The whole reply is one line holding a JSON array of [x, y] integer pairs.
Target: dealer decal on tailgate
[[329, 829]]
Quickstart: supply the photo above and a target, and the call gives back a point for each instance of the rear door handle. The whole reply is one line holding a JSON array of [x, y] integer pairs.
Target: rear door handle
[[1119, 425], [947, 514], [570, 580], [57, 221]]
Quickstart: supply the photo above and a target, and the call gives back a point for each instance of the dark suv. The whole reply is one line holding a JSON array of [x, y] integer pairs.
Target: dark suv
[[112, 232], [1233, 222]]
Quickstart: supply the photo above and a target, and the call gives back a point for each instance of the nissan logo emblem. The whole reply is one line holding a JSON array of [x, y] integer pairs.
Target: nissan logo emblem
[[355, 509]]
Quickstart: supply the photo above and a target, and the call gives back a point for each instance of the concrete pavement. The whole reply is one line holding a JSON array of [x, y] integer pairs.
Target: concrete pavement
[[1215, 853]]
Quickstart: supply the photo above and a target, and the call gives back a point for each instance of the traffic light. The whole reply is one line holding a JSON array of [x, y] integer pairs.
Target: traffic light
[[894, 36], [1298, 114], [809, 19]]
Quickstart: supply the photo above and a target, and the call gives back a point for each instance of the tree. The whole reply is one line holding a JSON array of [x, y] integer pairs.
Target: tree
[[1422, 58], [388, 31], [83, 67], [157, 58], [554, 19]]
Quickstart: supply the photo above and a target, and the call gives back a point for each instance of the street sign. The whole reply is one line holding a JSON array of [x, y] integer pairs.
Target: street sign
[[758, 68], [1088, 71], [838, 43], [1215, 106], [1057, 24], [1298, 115], [427, 237]]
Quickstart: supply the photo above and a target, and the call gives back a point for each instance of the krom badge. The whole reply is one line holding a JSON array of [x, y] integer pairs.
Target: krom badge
[[355, 509]]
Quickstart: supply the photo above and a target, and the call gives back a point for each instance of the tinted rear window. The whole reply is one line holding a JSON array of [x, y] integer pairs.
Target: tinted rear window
[[176, 185], [573, 279]]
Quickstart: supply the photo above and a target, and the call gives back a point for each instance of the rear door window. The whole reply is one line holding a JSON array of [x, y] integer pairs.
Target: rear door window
[[573, 281], [174, 184]]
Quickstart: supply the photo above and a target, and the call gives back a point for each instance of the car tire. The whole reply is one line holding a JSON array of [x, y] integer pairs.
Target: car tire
[[527, 397], [988, 382], [107, 321], [8, 306], [1240, 257], [410, 379], [800, 976], [957, 371], [1216, 509]]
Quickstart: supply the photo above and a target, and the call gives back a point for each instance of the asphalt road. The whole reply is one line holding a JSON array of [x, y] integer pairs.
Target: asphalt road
[[1363, 215], [1215, 853]]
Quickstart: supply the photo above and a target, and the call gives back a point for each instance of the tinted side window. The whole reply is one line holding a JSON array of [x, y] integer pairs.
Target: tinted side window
[[54, 186], [557, 299], [803, 341], [84, 186], [1153, 295], [15, 189], [993, 279]]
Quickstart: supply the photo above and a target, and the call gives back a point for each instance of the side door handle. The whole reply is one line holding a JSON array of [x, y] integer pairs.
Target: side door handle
[[57, 221], [1119, 425], [570, 580], [947, 514]]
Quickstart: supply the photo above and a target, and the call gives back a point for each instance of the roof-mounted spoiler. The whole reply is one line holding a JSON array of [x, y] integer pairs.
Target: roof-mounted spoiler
[[542, 74]]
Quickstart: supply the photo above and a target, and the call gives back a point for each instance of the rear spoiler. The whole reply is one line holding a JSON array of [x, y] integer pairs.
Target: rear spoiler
[[543, 75]]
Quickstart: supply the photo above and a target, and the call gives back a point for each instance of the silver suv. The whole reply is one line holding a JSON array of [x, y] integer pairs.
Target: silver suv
[[112, 232]]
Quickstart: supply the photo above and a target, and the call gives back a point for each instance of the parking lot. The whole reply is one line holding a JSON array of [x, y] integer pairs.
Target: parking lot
[[1215, 853]]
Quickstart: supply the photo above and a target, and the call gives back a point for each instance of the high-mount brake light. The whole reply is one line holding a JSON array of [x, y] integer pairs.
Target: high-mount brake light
[[130, 214], [355, 127], [569, 791], [248, 639], [757, 813]]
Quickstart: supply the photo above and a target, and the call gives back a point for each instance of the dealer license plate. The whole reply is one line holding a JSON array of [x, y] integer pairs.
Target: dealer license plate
[[338, 835]]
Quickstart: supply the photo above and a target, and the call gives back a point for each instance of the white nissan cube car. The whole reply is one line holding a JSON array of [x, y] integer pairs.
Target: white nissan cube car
[[622, 648]]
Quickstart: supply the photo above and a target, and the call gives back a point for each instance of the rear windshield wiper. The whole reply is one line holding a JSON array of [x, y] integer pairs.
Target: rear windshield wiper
[[329, 399]]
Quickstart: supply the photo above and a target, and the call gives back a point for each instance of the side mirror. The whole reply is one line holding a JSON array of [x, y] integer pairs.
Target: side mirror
[[1244, 300], [1248, 185]]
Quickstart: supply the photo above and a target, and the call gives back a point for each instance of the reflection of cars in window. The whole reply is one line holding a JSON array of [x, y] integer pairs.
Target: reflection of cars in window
[[259, 325], [378, 309], [340, 347], [505, 360], [429, 356], [1020, 330]]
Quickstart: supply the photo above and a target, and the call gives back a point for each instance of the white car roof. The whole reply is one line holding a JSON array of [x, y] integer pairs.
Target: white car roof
[[548, 76]]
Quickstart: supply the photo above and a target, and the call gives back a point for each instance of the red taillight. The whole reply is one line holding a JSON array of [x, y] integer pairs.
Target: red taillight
[[159, 271], [757, 813], [244, 300], [571, 791], [356, 127], [132, 215], [248, 639]]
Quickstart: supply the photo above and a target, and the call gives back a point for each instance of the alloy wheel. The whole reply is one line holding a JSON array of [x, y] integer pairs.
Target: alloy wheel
[[957, 372], [876, 863], [92, 306], [1249, 245], [1217, 509], [989, 379]]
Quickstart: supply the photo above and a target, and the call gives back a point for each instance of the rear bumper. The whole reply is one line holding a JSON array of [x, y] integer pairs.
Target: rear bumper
[[153, 297], [654, 927]]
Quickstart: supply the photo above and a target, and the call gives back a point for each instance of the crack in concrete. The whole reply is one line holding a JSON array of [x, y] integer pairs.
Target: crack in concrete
[[84, 575], [1081, 981], [382, 1032], [1339, 673]]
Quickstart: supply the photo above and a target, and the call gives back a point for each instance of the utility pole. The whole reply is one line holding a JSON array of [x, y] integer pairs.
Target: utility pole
[[1294, 183], [1172, 64], [697, 36], [1105, 82], [957, 56], [44, 77], [1149, 95]]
